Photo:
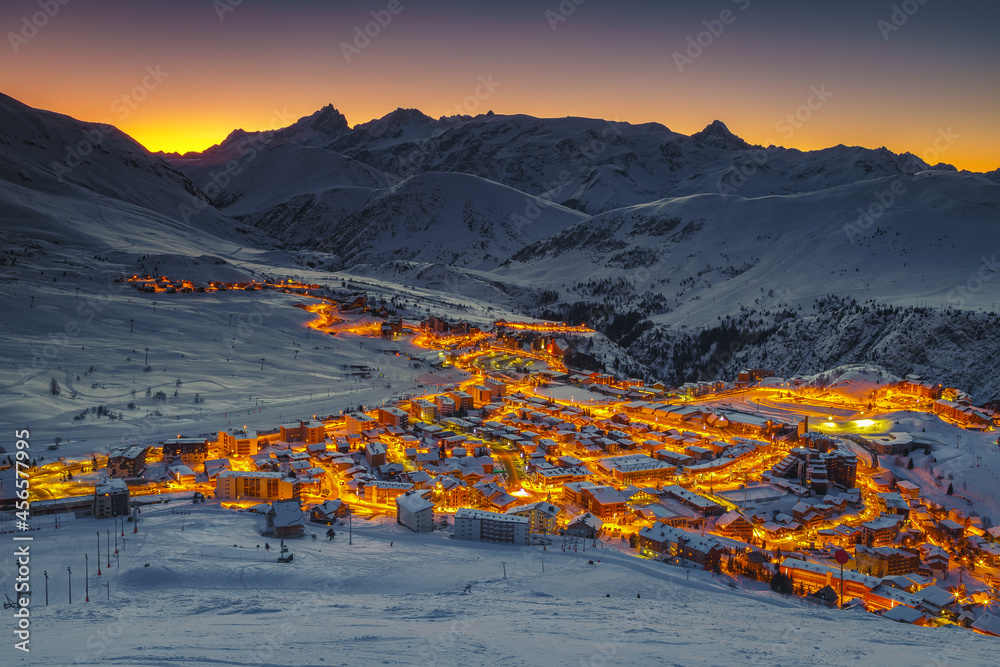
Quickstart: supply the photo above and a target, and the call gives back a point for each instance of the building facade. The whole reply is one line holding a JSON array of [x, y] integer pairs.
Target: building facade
[[485, 526]]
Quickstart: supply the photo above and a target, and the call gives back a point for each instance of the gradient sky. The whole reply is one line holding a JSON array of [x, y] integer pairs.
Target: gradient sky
[[266, 63]]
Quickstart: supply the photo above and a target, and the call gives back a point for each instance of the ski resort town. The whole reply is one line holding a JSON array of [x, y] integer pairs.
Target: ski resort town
[[819, 491]]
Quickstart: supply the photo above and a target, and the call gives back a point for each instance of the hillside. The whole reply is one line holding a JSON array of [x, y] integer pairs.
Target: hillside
[[442, 217], [401, 598]]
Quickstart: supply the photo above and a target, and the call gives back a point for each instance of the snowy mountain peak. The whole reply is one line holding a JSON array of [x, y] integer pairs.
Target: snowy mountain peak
[[327, 121], [717, 135]]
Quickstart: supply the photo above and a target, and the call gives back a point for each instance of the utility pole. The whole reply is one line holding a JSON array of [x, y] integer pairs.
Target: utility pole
[[69, 576], [46, 573]]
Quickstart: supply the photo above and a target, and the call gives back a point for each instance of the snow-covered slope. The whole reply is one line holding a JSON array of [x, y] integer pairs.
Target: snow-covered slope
[[708, 254], [442, 217], [272, 173], [205, 594], [54, 153], [592, 165]]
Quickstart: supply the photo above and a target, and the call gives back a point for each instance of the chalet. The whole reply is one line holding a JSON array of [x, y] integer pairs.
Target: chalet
[[329, 511], [214, 466], [987, 624], [935, 600], [586, 525], [675, 543], [450, 492], [951, 529], [604, 501], [735, 525], [884, 597], [285, 519]]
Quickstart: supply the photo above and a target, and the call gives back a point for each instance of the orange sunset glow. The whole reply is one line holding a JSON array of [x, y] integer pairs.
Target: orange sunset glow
[[264, 65]]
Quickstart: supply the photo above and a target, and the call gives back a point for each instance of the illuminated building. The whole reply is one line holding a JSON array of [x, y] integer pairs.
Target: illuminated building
[[359, 422], [675, 543], [423, 409], [699, 504], [445, 405], [885, 561], [895, 443], [882, 530], [415, 511], [462, 400], [256, 485], [542, 516], [285, 519], [735, 525], [191, 451], [111, 498], [182, 473], [309, 432], [480, 525], [813, 576], [632, 468], [586, 525], [375, 453], [383, 493], [329, 511], [239, 442], [393, 417], [128, 461]]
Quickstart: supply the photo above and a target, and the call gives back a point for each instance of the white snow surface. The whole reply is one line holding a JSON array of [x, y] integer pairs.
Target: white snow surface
[[395, 597]]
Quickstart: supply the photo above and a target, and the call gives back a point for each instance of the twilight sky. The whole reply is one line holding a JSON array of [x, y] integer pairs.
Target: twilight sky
[[181, 75]]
